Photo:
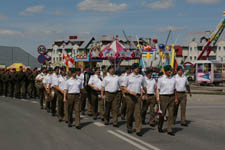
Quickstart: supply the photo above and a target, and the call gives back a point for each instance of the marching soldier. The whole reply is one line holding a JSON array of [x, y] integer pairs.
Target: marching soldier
[[39, 85], [72, 98], [11, 82], [132, 86], [110, 85], [150, 99], [124, 102], [95, 83], [1, 82], [182, 85], [47, 86], [86, 92], [23, 82], [54, 82], [60, 85], [166, 98]]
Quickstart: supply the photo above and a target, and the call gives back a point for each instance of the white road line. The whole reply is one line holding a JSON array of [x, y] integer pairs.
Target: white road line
[[128, 141], [34, 102], [24, 100], [99, 124], [137, 140]]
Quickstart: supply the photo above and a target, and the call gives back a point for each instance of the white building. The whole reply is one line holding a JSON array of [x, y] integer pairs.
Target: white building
[[194, 44]]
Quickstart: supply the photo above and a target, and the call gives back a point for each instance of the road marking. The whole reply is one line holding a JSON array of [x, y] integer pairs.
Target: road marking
[[34, 102], [137, 140], [24, 100], [99, 124], [128, 140]]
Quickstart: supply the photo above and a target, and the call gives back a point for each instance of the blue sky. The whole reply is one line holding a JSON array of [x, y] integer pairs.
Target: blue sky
[[29, 23]]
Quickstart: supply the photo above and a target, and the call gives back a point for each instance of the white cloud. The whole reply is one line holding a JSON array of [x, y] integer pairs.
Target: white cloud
[[8, 32], [3, 17], [160, 4], [172, 28], [203, 1], [56, 12], [100, 6], [32, 10]]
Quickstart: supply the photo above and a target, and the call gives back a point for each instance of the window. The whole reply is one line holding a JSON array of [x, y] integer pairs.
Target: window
[[196, 49], [223, 58], [190, 48], [219, 48], [224, 48], [195, 58], [190, 57]]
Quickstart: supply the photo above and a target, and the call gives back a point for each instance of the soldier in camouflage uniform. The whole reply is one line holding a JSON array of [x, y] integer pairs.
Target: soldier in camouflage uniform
[[1, 82], [11, 82]]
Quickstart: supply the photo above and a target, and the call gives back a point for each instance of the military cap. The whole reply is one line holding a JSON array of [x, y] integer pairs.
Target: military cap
[[180, 67], [118, 71], [127, 67], [103, 67], [110, 67], [78, 69], [160, 74], [167, 67], [56, 67], [63, 68], [149, 71], [50, 69], [73, 70], [86, 66], [135, 65], [97, 68]]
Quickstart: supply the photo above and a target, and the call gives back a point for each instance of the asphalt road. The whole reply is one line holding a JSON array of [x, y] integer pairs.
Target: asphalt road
[[23, 126]]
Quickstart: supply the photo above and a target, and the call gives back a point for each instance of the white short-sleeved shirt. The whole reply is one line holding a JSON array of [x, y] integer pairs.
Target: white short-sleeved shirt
[[61, 82], [134, 83], [166, 85], [81, 77], [73, 86], [181, 83], [40, 76], [47, 80], [151, 85], [54, 79], [96, 81], [111, 83]]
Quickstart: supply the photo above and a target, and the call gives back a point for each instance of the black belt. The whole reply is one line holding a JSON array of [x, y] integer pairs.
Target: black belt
[[150, 94], [133, 95], [167, 95], [181, 92], [73, 93], [112, 92]]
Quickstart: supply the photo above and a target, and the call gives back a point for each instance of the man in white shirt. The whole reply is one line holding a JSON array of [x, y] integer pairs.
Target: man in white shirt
[[59, 86], [150, 99], [39, 85], [124, 102], [182, 86], [72, 98], [110, 86], [132, 86], [47, 86], [166, 98], [95, 83], [54, 82]]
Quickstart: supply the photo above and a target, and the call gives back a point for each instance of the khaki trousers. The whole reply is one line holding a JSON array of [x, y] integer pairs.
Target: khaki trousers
[[134, 112], [167, 103], [111, 103], [60, 106], [73, 103], [182, 101], [150, 101]]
